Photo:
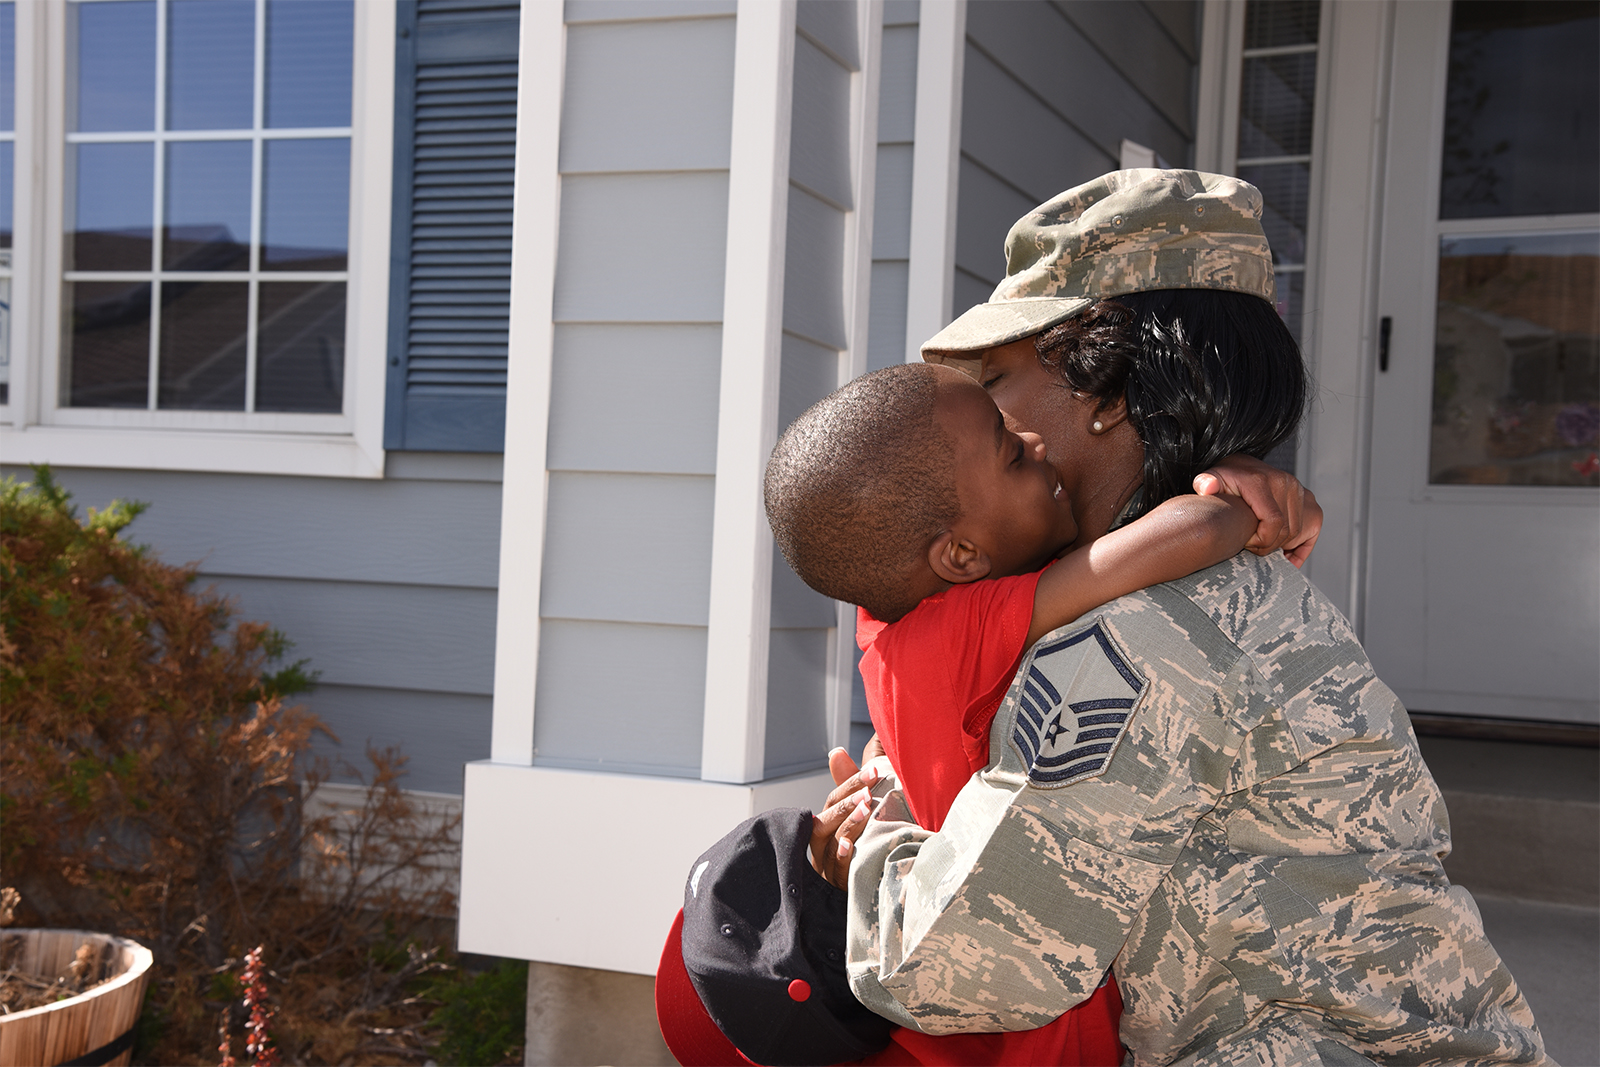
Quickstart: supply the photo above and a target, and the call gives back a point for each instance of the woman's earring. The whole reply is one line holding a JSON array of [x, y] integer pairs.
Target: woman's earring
[[1098, 427]]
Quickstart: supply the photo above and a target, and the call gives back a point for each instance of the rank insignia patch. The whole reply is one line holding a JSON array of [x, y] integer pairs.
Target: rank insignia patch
[[1074, 706]]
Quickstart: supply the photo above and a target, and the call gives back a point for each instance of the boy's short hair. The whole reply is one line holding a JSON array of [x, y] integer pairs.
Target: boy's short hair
[[859, 486]]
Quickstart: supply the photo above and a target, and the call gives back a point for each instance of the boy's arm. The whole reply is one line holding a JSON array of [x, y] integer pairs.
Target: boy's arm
[[1180, 536]]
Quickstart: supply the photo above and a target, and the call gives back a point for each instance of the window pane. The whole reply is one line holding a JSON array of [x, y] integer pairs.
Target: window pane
[[211, 59], [1286, 192], [309, 49], [108, 344], [203, 345], [207, 206], [1516, 372], [7, 162], [113, 204], [115, 66], [1522, 110], [1276, 102], [1291, 287], [1274, 23], [306, 221], [5, 333], [300, 349], [8, 66]]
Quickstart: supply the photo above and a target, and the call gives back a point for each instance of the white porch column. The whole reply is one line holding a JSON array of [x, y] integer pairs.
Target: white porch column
[[536, 200], [935, 171], [733, 744]]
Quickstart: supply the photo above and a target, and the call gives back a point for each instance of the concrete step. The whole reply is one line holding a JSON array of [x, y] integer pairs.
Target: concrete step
[[1524, 818]]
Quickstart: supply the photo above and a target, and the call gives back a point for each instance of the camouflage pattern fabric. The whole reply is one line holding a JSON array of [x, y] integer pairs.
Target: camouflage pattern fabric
[[1129, 231], [1257, 848]]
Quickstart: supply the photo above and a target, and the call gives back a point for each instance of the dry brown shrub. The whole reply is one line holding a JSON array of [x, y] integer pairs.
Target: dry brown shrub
[[154, 781]]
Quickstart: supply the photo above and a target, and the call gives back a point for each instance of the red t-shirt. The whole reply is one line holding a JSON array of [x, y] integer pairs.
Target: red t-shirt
[[934, 681]]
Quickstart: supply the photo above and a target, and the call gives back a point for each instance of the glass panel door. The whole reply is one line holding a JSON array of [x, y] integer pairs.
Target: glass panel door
[[1483, 531]]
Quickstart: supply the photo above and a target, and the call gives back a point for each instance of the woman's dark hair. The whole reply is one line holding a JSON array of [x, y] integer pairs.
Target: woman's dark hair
[[1206, 374]]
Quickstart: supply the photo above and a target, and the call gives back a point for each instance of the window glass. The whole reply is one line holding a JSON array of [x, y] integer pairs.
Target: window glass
[[1277, 95], [1278, 23], [308, 63], [114, 56], [211, 60], [1522, 110], [300, 356], [1516, 372], [108, 344], [1277, 121], [207, 224], [246, 177], [307, 192], [112, 210], [203, 345], [7, 163], [1286, 204], [8, 66]]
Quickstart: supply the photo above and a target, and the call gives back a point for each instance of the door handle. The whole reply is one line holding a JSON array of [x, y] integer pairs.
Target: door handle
[[1385, 325]]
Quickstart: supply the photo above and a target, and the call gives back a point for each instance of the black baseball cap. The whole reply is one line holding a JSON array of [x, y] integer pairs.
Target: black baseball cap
[[759, 952]]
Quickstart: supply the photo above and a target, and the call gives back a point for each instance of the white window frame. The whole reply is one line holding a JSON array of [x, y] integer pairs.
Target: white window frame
[[36, 428]]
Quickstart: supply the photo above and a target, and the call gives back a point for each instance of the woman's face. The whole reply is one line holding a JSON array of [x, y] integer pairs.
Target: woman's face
[[1099, 469]]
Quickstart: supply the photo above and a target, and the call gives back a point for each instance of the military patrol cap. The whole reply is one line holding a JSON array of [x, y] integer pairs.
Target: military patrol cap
[[1129, 231], [754, 968]]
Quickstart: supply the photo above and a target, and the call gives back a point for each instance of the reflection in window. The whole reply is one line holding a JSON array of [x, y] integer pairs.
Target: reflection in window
[[177, 214], [1522, 110], [301, 360], [107, 344], [1516, 373]]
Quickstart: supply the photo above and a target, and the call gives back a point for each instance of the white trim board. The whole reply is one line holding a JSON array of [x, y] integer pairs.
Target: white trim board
[[588, 869], [536, 208], [865, 87], [733, 745], [935, 170]]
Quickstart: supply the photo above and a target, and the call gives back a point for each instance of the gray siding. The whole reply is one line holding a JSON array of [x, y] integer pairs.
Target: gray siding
[[645, 135], [1050, 92], [387, 587]]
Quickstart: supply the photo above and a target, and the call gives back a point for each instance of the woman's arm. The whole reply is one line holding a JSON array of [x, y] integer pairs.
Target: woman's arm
[[1181, 536]]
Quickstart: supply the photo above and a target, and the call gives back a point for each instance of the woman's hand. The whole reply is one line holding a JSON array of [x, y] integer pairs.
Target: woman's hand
[[844, 815], [1288, 514]]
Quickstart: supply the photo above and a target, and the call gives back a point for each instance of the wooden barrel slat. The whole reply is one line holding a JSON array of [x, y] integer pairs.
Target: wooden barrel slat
[[65, 1030]]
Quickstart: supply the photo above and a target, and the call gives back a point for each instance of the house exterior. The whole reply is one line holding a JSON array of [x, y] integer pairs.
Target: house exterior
[[451, 337]]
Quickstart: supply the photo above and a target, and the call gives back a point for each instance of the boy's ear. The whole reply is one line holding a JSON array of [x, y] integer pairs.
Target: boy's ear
[[956, 560]]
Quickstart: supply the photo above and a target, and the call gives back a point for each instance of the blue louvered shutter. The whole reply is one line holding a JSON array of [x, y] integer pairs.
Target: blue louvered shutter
[[450, 269]]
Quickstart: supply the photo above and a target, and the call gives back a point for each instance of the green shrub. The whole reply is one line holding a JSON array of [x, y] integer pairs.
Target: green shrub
[[481, 1017]]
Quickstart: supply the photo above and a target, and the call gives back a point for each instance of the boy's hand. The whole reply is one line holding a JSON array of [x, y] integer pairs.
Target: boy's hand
[[834, 830], [1288, 514]]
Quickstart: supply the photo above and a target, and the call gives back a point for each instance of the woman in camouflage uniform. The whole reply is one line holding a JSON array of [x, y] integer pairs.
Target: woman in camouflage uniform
[[1203, 785]]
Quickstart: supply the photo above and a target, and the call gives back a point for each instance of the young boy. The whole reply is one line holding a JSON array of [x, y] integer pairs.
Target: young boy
[[905, 493]]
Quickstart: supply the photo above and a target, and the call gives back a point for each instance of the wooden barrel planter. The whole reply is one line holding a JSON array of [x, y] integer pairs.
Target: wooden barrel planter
[[93, 1028]]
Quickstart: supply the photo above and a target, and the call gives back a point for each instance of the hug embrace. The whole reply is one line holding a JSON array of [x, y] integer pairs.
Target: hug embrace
[[1137, 794]]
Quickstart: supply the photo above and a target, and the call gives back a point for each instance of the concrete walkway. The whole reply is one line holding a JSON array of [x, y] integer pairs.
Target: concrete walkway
[[1554, 952]]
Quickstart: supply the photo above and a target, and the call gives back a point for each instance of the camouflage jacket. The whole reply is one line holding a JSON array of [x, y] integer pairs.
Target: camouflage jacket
[[1205, 784]]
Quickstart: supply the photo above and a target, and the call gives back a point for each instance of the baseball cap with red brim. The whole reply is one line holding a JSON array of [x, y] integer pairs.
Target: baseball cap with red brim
[[753, 970]]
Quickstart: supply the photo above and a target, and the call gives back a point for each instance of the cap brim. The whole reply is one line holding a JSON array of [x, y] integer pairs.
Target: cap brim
[[999, 323], [694, 1039]]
